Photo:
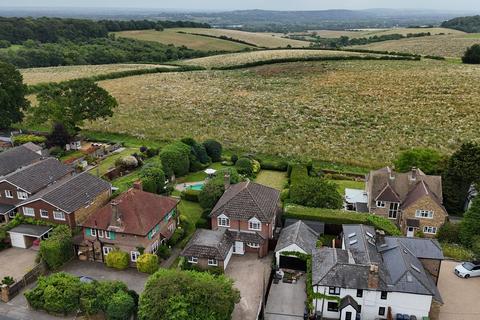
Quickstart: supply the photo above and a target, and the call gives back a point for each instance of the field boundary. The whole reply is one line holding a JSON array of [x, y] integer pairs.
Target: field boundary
[[226, 38]]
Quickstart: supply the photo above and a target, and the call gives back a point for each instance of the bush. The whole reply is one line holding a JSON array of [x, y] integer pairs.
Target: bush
[[476, 246], [177, 236], [25, 138], [244, 166], [190, 195], [285, 194], [449, 232], [428, 160], [198, 155], [121, 306], [470, 225], [457, 252], [203, 224], [214, 149], [211, 193], [8, 281], [105, 291], [57, 152], [234, 158], [164, 252], [316, 192], [117, 259], [176, 159], [126, 163], [153, 177], [232, 172], [472, 55], [147, 263], [58, 248]]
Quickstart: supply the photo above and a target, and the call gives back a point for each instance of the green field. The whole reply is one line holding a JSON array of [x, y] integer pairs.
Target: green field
[[353, 112], [172, 36], [272, 179]]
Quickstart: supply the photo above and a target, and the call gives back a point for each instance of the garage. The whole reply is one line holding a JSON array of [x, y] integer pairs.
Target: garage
[[292, 263], [25, 235]]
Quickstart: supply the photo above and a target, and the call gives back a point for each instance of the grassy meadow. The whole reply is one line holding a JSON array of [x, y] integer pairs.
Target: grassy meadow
[[33, 76], [453, 45], [366, 33], [353, 112], [175, 37]]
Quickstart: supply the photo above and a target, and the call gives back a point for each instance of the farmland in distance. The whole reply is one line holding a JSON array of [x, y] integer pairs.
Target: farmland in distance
[[365, 33]]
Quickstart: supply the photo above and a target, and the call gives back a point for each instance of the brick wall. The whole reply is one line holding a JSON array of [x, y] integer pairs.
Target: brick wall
[[42, 205], [3, 199], [83, 213], [424, 203], [433, 267]]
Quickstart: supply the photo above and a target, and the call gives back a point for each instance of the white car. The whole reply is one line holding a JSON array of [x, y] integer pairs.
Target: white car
[[467, 270]]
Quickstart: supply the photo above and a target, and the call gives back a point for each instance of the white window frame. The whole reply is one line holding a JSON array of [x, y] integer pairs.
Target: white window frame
[[8, 194], [393, 212], [253, 245], [93, 232], [424, 214], [134, 255], [21, 195], [223, 221], [28, 212], [60, 219], [42, 211], [380, 204], [213, 262], [154, 247], [171, 227], [193, 260], [108, 235], [107, 250], [430, 230], [101, 234], [255, 225]]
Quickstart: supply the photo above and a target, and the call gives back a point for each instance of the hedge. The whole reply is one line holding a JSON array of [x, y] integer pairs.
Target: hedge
[[58, 248], [147, 263], [117, 259], [340, 217], [24, 138], [190, 195], [298, 173]]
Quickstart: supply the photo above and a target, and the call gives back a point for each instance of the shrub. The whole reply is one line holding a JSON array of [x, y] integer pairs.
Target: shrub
[[105, 291], [449, 233], [147, 263], [190, 195], [164, 252], [177, 236], [198, 154], [176, 159], [470, 225], [285, 194], [57, 152], [126, 163], [58, 248], [476, 246], [202, 224], [234, 158], [472, 55], [383, 224], [8, 281], [211, 193], [428, 160], [316, 192], [153, 177], [457, 252], [232, 172], [244, 166], [24, 138], [117, 259], [121, 306], [214, 149]]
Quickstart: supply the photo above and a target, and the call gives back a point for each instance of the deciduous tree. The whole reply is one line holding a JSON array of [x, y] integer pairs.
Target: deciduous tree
[[12, 96]]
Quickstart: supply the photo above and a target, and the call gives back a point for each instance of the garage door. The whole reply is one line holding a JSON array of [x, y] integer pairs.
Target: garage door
[[18, 240], [292, 263]]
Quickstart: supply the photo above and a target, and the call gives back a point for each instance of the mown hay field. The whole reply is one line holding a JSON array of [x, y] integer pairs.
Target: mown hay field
[[175, 37], [441, 45], [235, 59], [57, 74], [259, 39], [355, 112], [365, 33]]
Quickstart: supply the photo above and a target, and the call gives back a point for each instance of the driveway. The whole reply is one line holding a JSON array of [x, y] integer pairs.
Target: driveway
[[250, 274], [286, 301], [460, 296], [16, 262], [98, 271]]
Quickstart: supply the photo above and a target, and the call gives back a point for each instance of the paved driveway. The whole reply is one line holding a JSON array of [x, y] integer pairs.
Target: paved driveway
[[460, 296], [98, 271], [16, 262], [286, 301], [249, 272]]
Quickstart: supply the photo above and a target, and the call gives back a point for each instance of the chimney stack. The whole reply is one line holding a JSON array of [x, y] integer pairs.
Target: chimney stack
[[373, 279], [414, 174], [226, 181], [116, 219], [138, 185]]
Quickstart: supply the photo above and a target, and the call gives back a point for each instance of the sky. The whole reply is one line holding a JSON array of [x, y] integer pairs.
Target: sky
[[253, 4]]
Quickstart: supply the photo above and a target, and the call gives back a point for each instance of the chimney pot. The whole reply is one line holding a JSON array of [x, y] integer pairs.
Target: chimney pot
[[138, 185]]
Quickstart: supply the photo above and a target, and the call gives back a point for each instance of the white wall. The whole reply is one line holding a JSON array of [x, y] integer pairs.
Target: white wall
[[348, 309], [292, 247], [227, 259], [18, 240], [404, 303]]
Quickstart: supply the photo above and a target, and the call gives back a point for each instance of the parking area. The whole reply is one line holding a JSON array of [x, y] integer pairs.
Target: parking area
[[16, 262], [286, 301], [250, 275], [460, 296], [98, 271]]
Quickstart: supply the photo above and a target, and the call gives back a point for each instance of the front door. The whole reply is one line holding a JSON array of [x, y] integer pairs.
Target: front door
[[410, 232], [238, 248]]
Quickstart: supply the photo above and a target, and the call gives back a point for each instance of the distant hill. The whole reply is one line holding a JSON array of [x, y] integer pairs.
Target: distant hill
[[467, 24]]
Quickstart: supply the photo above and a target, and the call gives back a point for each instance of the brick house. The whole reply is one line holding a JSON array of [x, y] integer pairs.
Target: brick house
[[69, 202], [135, 219], [249, 211], [413, 200], [209, 248]]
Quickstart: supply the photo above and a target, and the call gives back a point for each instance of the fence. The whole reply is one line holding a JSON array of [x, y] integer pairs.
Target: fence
[[9, 292]]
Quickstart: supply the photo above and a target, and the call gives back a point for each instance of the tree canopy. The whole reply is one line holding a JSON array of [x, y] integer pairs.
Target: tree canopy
[[175, 295], [316, 192], [428, 160], [12, 96], [73, 102], [470, 225], [472, 55]]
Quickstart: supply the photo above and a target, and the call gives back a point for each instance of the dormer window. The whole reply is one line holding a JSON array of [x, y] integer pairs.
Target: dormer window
[[22, 195], [223, 221], [254, 224]]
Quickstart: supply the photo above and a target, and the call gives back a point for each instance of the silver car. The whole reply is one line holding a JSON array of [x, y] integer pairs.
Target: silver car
[[467, 270]]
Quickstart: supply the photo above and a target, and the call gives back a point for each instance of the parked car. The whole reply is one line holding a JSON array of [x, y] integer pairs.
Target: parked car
[[467, 270]]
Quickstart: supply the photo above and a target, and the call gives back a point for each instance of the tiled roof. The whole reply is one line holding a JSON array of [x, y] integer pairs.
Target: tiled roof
[[421, 189], [140, 212], [245, 200], [15, 158], [299, 234], [70, 195], [38, 175], [4, 208], [252, 237], [348, 301], [209, 244]]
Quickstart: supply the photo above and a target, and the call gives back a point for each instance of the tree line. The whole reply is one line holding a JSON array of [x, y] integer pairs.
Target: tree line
[[466, 24]]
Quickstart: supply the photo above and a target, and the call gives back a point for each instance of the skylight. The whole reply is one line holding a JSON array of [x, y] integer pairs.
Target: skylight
[[369, 234], [351, 235], [415, 268], [353, 242]]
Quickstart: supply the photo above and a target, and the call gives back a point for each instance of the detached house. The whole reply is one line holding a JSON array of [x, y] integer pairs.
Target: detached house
[[249, 211], [413, 200], [133, 221]]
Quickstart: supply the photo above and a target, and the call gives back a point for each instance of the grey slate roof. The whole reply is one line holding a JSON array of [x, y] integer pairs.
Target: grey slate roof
[[348, 301], [15, 158], [72, 194], [209, 244], [317, 226], [31, 230], [248, 199], [38, 175], [299, 234], [4, 208], [360, 241], [422, 248]]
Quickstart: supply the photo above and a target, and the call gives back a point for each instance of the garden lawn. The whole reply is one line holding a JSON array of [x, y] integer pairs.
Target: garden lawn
[[343, 184], [192, 212], [109, 162], [126, 182], [273, 179]]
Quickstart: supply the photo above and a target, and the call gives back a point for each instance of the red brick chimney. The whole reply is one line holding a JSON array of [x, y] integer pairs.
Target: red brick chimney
[[138, 185]]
